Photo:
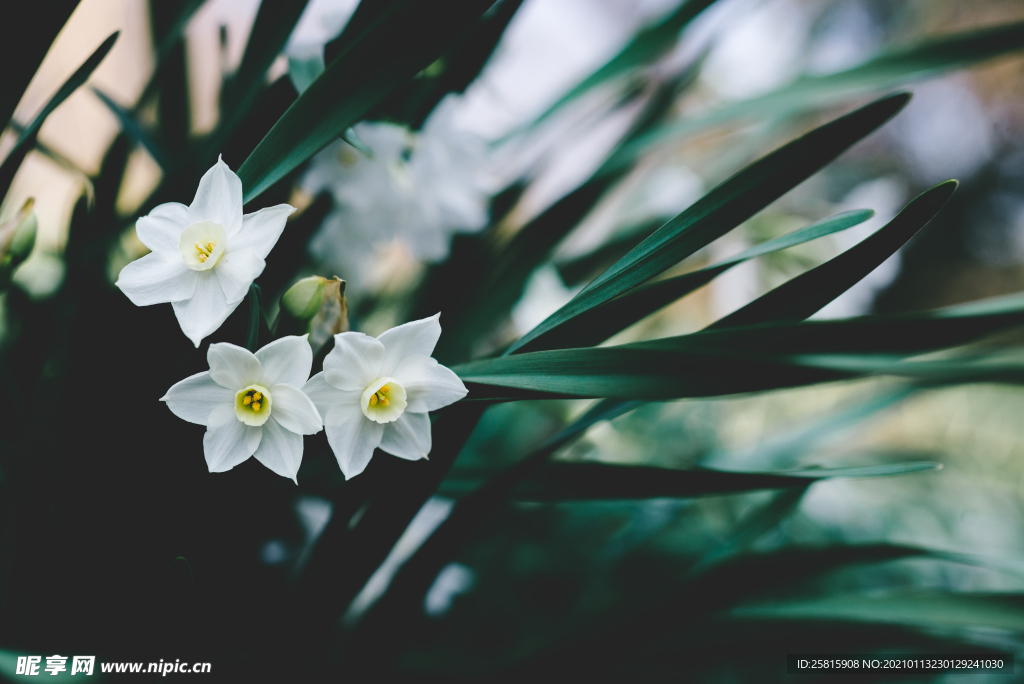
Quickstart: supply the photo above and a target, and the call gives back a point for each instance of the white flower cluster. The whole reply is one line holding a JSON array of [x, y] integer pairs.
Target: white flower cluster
[[419, 188], [373, 392]]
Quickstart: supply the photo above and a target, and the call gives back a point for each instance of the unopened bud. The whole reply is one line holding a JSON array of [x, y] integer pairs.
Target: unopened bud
[[303, 299]]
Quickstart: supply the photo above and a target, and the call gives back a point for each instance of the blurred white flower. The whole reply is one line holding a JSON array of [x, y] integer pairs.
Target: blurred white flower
[[321, 22], [204, 255], [419, 188], [376, 392], [543, 295], [251, 404]]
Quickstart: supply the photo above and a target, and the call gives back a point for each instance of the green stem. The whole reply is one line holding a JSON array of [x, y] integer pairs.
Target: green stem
[[252, 337]]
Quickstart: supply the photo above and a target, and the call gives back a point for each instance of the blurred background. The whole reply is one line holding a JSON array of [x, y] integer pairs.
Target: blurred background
[[545, 571]]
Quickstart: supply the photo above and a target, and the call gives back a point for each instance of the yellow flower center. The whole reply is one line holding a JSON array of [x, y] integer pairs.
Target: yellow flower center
[[252, 405], [204, 251], [380, 396], [383, 400], [202, 245]]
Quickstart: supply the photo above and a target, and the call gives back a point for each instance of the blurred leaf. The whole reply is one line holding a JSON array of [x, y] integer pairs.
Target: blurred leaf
[[725, 207], [30, 32], [28, 135], [926, 59], [459, 66], [598, 324], [133, 129], [806, 294], [589, 481], [168, 21], [650, 44], [274, 23], [925, 610], [362, 75]]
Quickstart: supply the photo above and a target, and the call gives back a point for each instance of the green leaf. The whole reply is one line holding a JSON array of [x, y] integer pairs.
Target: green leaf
[[253, 330], [657, 371], [388, 52], [30, 32], [28, 134], [642, 374], [274, 23], [804, 295], [886, 334], [600, 323], [590, 481], [925, 610], [725, 207], [133, 129], [929, 58]]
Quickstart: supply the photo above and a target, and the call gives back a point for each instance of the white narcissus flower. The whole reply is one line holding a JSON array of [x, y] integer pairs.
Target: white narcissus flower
[[204, 255], [375, 392], [419, 188], [251, 404]]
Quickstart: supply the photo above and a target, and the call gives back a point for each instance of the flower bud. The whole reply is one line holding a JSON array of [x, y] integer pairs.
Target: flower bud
[[303, 299], [17, 240]]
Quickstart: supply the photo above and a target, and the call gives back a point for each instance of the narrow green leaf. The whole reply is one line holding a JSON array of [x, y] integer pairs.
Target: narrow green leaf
[[366, 71], [598, 324], [652, 373], [642, 374], [30, 33], [590, 481], [725, 207], [28, 134], [887, 334], [133, 129], [926, 610], [252, 334], [929, 58], [804, 295], [274, 23]]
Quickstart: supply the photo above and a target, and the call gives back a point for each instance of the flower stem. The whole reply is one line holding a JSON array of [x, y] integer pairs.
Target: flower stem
[[252, 337]]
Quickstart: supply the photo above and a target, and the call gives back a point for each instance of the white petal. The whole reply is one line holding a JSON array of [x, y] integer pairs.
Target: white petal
[[232, 366], [325, 395], [294, 410], [408, 437], [228, 441], [207, 309], [162, 228], [236, 270], [218, 199], [157, 278], [280, 449], [261, 229], [428, 385], [415, 337], [286, 360], [352, 437], [194, 398], [354, 362]]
